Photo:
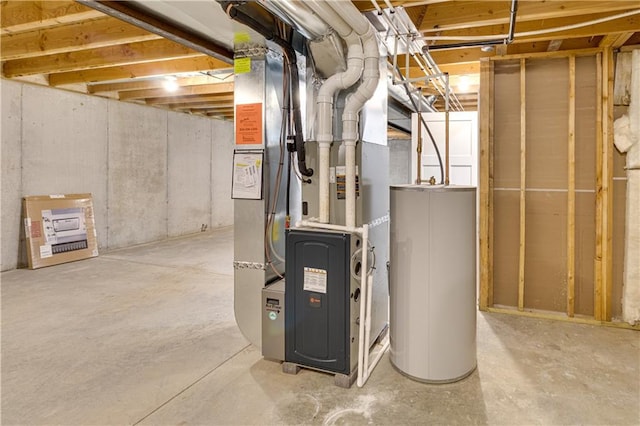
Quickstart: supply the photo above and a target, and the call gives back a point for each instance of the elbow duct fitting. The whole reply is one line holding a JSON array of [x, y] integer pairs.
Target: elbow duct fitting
[[335, 83]]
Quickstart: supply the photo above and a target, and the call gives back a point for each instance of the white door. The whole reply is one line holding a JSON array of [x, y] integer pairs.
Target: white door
[[463, 147]]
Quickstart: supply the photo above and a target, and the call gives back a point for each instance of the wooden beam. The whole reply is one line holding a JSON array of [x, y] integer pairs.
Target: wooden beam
[[175, 66], [598, 284], [550, 55], [223, 110], [175, 100], [204, 89], [604, 182], [607, 179], [153, 84], [616, 40], [571, 192], [92, 34], [207, 106], [18, 16], [123, 54], [523, 182], [486, 184], [464, 68], [469, 14], [516, 51], [626, 24]]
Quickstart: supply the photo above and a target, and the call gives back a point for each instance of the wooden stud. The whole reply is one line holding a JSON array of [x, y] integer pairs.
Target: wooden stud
[[491, 170], [486, 184], [604, 182], [607, 178], [597, 290], [571, 193], [523, 181]]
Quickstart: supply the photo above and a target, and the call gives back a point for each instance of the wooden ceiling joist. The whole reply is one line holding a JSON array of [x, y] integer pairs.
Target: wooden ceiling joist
[[200, 105], [149, 69], [182, 91], [122, 54], [629, 23], [172, 101], [20, 16], [84, 35], [208, 106], [152, 84], [468, 14], [615, 40]]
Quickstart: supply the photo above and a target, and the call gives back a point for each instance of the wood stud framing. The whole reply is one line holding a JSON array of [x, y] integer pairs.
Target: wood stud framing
[[571, 192], [523, 181], [603, 265], [486, 184]]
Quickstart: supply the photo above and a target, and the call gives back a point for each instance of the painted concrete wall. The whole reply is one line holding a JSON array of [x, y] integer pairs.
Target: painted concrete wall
[[11, 152], [137, 174], [221, 173], [189, 166], [153, 174]]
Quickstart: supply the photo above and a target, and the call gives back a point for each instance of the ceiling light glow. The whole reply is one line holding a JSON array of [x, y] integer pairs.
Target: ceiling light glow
[[170, 84]]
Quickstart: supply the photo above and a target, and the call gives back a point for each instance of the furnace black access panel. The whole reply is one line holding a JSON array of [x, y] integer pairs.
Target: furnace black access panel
[[317, 300]]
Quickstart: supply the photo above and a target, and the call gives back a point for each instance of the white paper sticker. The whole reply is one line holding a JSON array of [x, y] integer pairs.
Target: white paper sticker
[[315, 280], [342, 170], [27, 227], [332, 175], [45, 251], [56, 196]]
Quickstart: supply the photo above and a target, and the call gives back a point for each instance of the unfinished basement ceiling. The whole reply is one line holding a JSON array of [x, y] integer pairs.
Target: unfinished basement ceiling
[[69, 45]]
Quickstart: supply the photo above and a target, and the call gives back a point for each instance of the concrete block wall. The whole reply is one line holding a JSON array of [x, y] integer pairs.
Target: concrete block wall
[[154, 174]]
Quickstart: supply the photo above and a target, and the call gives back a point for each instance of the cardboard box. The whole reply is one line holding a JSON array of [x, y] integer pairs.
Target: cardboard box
[[59, 229]]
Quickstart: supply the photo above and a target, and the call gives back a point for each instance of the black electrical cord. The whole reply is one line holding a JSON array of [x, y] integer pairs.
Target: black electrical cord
[[231, 8], [424, 123]]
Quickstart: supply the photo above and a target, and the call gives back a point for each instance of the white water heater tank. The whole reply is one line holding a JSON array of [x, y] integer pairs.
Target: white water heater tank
[[433, 282]]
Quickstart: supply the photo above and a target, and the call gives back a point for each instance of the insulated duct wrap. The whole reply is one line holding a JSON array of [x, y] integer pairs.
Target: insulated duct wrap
[[627, 139]]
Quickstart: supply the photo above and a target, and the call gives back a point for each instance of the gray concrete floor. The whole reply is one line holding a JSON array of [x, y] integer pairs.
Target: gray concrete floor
[[147, 335]]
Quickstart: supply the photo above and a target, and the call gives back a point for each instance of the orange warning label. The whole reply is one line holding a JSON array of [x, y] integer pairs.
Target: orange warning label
[[249, 124]]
